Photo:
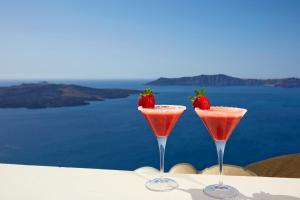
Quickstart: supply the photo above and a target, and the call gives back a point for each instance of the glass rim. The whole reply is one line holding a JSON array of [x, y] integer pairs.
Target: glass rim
[[223, 111], [177, 108]]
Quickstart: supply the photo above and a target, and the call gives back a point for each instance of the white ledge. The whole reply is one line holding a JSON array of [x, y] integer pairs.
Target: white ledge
[[45, 183]]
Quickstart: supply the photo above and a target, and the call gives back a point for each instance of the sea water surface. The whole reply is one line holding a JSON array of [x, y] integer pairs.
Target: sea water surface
[[112, 134]]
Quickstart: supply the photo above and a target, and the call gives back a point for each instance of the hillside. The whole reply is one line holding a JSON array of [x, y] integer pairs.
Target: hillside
[[224, 80]]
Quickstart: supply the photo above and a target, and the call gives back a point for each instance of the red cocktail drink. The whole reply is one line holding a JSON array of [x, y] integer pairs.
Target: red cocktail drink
[[220, 123], [162, 119]]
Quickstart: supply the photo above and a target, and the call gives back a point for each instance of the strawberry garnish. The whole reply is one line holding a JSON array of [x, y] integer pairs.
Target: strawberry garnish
[[147, 99], [200, 101]]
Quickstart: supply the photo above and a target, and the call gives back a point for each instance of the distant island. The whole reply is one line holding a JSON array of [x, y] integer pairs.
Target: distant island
[[224, 80], [43, 95]]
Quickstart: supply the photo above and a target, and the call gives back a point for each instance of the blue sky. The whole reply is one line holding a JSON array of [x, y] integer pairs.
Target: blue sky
[[145, 39]]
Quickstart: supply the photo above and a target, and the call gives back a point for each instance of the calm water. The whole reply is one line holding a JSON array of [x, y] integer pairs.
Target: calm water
[[112, 134]]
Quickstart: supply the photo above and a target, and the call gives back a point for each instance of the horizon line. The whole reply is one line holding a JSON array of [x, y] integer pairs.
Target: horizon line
[[130, 79]]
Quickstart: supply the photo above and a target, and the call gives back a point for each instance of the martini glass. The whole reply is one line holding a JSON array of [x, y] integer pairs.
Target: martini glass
[[162, 119], [220, 123]]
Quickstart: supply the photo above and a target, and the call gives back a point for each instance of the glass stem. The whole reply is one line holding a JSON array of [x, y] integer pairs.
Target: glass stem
[[162, 146], [220, 150]]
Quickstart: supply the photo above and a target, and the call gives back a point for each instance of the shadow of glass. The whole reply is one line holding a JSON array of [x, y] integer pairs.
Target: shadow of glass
[[197, 194], [267, 196]]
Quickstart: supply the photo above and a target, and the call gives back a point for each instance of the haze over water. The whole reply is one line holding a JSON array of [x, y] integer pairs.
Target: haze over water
[[113, 134]]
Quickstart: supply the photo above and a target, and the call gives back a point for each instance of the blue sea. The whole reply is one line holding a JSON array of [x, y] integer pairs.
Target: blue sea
[[112, 134]]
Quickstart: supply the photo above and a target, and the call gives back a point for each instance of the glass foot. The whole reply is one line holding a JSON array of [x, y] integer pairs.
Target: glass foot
[[161, 184], [221, 191]]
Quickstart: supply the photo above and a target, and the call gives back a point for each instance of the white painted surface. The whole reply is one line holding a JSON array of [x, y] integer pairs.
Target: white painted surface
[[44, 183]]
